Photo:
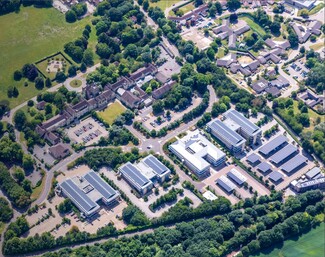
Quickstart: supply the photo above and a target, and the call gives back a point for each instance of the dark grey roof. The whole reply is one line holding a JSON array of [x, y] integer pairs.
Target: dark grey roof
[[264, 167], [273, 145], [226, 184], [78, 196], [100, 185], [155, 164], [276, 176], [236, 176], [233, 137], [313, 172], [294, 163], [284, 153], [133, 173], [242, 121], [253, 158]]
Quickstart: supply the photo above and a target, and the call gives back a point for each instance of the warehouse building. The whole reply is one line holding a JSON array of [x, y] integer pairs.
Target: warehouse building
[[236, 176], [85, 192], [135, 178], [264, 167], [294, 164], [253, 159], [232, 140], [284, 155], [276, 176], [226, 184], [246, 128], [273, 146], [197, 153]]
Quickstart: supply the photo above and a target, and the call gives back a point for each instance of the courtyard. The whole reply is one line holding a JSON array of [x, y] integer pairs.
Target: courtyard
[[111, 112]]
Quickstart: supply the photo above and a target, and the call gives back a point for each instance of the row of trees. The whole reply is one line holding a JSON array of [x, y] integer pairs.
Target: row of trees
[[250, 228], [7, 6], [77, 11], [171, 196], [6, 212]]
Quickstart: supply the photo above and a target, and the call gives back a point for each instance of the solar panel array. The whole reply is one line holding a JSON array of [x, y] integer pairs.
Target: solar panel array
[[133, 173], [253, 158], [218, 126], [226, 184], [77, 195], [237, 176], [100, 185], [272, 145], [276, 176], [242, 121], [293, 163], [155, 164], [264, 166], [283, 154]]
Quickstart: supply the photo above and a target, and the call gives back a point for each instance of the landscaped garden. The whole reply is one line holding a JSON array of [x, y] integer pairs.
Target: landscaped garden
[[111, 112], [76, 83], [28, 36]]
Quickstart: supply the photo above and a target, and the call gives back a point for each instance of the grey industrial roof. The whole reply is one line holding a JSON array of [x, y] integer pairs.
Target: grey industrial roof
[[78, 196], [264, 167], [237, 176], [276, 176], [253, 158], [294, 163], [155, 164], [131, 171], [100, 185], [283, 154], [313, 172], [226, 184], [232, 136], [272, 145], [312, 182], [245, 124]]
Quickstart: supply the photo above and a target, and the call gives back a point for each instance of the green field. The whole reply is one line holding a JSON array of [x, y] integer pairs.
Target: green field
[[28, 36], [307, 245], [254, 26], [163, 4], [76, 83], [111, 112]]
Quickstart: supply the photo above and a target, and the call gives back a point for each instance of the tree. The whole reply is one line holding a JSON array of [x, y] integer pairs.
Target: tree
[[158, 106], [30, 71], [233, 4], [18, 75], [60, 76], [233, 18], [70, 16], [145, 5], [103, 50], [20, 119], [72, 71], [88, 57], [275, 27], [19, 175], [28, 163], [304, 13], [48, 82], [39, 83], [65, 206], [6, 213]]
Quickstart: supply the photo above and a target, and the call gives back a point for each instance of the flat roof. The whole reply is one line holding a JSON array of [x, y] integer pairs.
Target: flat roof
[[273, 144], [233, 137], [275, 176], [283, 154], [237, 176], [253, 158], [313, 172], [100, 185], [155, 164], [264, 167], [226, 184], [210, 196], [242, 121], [293, 163], [133, 173], [79, 197]]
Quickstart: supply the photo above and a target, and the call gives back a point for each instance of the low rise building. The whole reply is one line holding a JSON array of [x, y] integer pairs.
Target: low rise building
[[197, 153], [59, 151]]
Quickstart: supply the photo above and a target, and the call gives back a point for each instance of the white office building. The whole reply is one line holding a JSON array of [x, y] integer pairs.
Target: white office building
[[197, 152]]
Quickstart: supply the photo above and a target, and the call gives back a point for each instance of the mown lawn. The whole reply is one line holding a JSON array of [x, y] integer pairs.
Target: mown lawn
[[254, 26], [188, 7], [307, 245], [29, 36], [111, 112], [163, 4]]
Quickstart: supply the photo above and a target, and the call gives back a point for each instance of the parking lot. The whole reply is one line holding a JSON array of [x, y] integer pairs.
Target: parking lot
[[244, 193], [298, 70], [287, 178], [170, 66], [150, 121], [87, 132]]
